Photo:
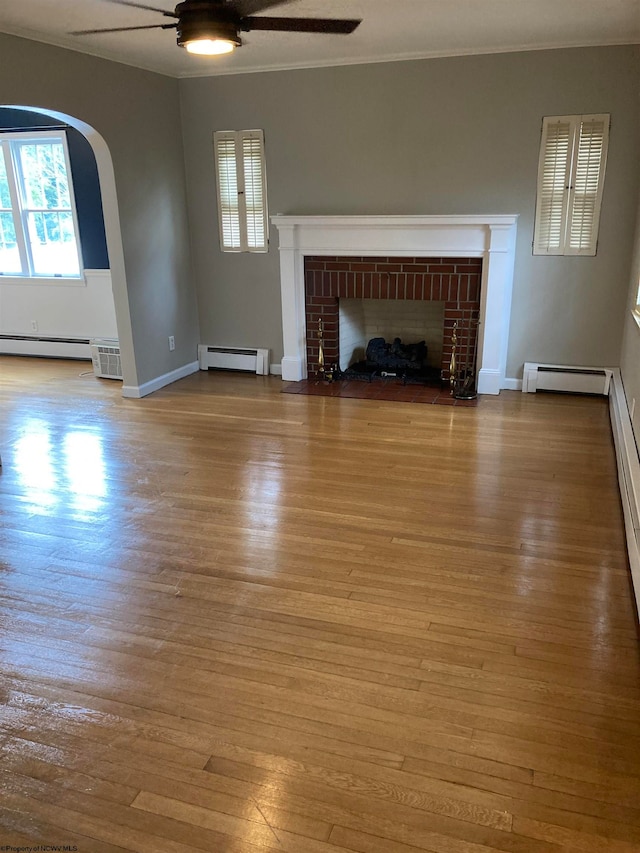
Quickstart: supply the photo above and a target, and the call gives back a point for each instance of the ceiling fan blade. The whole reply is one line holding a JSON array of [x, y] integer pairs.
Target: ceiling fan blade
[[143, 6], [124, 29], [300, 25], [243, 8]]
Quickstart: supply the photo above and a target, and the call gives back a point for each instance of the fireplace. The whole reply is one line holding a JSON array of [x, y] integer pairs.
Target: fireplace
[[453, 284], [489, 239]]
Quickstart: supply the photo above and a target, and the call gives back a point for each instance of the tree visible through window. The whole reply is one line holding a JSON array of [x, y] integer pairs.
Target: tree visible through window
[[38, 228], [242, 190]]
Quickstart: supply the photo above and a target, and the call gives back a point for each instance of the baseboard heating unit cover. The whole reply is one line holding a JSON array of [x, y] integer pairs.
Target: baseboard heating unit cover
[[563, 378], [234, 358]]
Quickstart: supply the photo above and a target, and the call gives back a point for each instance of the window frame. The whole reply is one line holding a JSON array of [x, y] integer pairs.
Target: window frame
[[636, 308], [567, 173], [20, 211], [241, 221]]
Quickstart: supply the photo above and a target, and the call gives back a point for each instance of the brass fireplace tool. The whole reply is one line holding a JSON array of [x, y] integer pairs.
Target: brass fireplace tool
[[462, 372], [453, 363], [326, 373]]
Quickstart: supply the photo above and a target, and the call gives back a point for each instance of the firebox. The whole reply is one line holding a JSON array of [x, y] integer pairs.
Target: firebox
[[452, 283]]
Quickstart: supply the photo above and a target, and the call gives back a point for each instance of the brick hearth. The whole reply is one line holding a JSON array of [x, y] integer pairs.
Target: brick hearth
[[454, 281]]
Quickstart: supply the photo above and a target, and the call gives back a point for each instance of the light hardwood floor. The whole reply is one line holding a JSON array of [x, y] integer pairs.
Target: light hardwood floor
[[239, 621]]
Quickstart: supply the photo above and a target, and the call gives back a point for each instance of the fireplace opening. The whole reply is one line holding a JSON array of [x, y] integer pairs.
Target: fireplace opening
[[412, 318], [361, 320], [391, 338]]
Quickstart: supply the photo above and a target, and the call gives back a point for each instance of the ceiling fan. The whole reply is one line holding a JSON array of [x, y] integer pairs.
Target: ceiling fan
[[213, 26]]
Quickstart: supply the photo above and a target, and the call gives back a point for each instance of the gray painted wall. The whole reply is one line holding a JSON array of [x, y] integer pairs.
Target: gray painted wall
[[458, 135], [630, 362], [138, 115]]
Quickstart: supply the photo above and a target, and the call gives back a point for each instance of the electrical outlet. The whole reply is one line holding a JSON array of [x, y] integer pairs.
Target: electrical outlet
[[172, 343], [34, 325]]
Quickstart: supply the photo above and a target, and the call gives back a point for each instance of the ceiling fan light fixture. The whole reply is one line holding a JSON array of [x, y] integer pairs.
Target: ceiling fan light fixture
[[209, 46], [202, 30]]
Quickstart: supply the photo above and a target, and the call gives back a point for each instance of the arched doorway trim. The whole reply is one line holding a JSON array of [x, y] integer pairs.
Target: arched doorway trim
[[113, 231]]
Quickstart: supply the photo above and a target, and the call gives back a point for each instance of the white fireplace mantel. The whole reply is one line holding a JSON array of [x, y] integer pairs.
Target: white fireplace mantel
[[491, 238]]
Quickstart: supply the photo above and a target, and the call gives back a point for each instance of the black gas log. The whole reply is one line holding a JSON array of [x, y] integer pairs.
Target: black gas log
[[383, 358]]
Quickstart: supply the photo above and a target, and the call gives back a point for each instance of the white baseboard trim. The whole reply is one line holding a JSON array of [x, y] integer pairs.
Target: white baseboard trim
[[137, 391], [628, 474], [275, 369], [512, 384]]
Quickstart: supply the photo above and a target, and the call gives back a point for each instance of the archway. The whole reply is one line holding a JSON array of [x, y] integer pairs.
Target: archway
[[112, 227]]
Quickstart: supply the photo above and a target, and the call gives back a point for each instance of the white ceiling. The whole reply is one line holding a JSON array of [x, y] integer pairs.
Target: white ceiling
[[390, 30]]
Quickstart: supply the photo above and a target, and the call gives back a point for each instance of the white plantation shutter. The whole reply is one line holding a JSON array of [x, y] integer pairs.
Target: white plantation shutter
[[254, 190], [242, 195], [570, 179], [554, 166], [586, 190], [225, 150]]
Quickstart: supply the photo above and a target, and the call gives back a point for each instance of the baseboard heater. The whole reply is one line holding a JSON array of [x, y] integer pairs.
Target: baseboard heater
[[45, 347], [562, 378], [628, 475], [234, 358]]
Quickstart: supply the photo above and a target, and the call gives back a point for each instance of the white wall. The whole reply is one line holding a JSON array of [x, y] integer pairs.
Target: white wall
[[71, 310]]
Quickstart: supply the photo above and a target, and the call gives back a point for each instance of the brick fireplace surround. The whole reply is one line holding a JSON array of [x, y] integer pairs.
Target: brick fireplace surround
[[489, 239], [454, 281]]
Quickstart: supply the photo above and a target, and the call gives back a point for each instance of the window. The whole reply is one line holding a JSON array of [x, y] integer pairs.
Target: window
[[38, 227], [242, 190], [573, 156]]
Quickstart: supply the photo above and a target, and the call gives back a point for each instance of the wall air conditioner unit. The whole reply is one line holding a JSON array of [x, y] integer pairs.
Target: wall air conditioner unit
[[234, 358], [571, 380], [105, 355]]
